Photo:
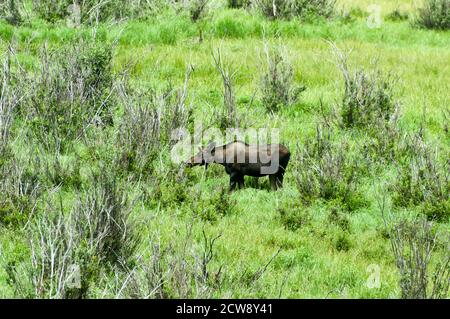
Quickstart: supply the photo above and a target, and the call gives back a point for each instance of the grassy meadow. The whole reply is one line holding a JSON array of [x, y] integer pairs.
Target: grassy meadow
[[177, 232]]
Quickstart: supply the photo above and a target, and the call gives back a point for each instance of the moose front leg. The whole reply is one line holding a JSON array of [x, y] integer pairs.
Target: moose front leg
[[241, 181], [236, 179]]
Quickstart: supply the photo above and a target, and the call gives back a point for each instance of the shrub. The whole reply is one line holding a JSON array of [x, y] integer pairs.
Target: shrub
[[19, 190], [229, 117], [342, 242], [169, 187], [434, 15], [397, 15], [339, 219], [422, 180], [15, 211], [288, 9], [368, 105], [52, 270], [51, 11], [51, 169], [327, 170], [413, 244], [102, 217], [90, 11], [9, 100], [235, 4], [222, 202], [368, 98], [149, 125], [277, 83], [382, 141], [69, 251], [294, 216], [213, 207], [9, 10], [139, 132], [175, 271], [197, 9], [70, 93]]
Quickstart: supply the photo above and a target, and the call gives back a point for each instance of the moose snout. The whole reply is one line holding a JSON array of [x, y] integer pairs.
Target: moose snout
[[188, 163]]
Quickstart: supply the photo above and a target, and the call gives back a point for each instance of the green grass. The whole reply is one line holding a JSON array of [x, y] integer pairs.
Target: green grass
[[319, 259]]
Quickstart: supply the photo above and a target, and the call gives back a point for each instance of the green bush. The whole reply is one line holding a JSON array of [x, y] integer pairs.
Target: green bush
[[9, 10], [9, 100], [70, 93], [367, 99], [288, 9], [235, 4], [197, 9], [381, 144], [434, 15], [14, 212], [148, 124], [90, 11], [277, 83], [218, 205], [325, 169], [338, 218], [19, 190], [397, 15], [170, 191], [51, 11], [69, 250], [294, 216], [6, 31], [423, 181], [342, 242], [415, 244]]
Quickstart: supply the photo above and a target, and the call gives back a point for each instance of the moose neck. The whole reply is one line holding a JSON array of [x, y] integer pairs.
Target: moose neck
[[219, 155]]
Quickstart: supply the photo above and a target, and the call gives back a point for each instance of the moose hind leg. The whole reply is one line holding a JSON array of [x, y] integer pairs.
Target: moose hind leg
[[279, 179], [273, 182]]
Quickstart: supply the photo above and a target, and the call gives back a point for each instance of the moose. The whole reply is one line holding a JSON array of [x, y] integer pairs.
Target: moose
[[241, 159]]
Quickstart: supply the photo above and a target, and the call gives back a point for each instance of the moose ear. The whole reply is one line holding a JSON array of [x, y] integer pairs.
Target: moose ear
[[211, 146]]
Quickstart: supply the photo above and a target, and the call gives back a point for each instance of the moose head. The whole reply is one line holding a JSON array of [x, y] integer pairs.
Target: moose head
[[203, 157]]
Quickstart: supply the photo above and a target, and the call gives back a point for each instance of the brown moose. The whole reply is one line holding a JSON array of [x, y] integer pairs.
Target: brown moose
[[240, 159]]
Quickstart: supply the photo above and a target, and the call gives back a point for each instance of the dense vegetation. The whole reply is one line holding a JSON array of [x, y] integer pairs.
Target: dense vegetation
[[92, 206]]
